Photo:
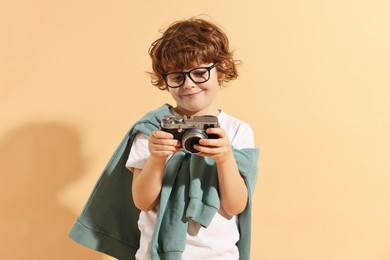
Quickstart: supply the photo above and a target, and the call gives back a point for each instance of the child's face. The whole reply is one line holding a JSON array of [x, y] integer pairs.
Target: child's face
[[197, 98]]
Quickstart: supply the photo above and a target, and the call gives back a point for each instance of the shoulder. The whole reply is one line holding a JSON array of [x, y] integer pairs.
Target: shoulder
[[151, 120], [231, 122], [240, 133], [156, 114]]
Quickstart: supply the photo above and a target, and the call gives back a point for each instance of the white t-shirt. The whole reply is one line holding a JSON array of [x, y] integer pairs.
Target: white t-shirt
[[218, 240]]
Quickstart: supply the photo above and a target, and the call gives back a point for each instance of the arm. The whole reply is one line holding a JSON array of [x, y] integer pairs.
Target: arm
[[147, 182], [233, 191]]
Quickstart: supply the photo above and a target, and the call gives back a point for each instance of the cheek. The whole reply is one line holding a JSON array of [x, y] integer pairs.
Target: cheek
[[174, 94]]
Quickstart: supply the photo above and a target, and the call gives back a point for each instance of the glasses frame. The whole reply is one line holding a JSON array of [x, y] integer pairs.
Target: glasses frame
[[185, 73]]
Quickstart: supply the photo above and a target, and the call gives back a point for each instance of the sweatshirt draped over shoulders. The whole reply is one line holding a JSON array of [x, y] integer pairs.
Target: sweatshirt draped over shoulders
[[108, 222]]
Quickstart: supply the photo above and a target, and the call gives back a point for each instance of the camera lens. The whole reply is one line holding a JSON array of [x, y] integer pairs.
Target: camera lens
[[192, 137]]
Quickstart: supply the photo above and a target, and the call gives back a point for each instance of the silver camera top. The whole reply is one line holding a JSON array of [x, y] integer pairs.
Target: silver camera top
[[179, 122]]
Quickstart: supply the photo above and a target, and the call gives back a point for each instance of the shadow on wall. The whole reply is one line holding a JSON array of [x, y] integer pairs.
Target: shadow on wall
[[37, 161]]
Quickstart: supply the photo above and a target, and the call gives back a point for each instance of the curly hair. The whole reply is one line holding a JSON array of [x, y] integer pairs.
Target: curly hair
[[188, 42]]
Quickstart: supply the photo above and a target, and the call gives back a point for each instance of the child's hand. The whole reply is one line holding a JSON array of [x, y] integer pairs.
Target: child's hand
[[161, 144], [218, 149]]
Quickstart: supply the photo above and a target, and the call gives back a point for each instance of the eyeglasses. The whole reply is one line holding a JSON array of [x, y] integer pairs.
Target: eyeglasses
[[197, 75]]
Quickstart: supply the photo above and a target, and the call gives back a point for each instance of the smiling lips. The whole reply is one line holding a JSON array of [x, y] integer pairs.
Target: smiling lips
[[191, 94]]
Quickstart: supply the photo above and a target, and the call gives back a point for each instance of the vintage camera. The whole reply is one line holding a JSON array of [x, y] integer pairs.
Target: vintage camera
[[189, 130]]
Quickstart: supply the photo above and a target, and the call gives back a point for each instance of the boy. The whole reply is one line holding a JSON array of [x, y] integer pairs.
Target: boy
[[185, 205]]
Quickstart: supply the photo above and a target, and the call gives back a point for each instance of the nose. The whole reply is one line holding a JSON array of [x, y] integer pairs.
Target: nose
[[188, 83]]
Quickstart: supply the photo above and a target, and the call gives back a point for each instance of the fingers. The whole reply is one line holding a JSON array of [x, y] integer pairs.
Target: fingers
[[217, 149], [214, 146], [162, 143], [221, 139], [216, 131], [211, 150], [161, 134]]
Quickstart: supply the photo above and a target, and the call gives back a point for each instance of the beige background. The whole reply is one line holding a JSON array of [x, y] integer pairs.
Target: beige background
[[314, 85]]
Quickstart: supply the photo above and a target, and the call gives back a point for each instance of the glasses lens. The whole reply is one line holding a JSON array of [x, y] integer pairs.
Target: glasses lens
[[200, 75], [175, 79]]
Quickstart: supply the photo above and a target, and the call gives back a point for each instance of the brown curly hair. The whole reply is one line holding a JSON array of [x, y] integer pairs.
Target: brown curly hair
[[188, 42]]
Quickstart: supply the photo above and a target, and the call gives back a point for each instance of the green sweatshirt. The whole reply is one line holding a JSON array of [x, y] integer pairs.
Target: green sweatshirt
[[108, 222]]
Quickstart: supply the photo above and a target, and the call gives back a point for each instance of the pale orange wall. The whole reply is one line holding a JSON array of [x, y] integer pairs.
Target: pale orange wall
[[314, 85]]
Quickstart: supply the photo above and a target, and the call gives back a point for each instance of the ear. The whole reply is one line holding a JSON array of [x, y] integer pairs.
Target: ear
[[224, 65], [221, 76]]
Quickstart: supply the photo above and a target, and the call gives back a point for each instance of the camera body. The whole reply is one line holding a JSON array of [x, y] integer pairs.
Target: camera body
[[189, 130]]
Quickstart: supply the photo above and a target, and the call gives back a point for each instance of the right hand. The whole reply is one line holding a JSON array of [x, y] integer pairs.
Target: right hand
[[161, 144]]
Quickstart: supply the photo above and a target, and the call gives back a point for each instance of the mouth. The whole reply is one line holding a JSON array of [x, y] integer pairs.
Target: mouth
[[194, 94]]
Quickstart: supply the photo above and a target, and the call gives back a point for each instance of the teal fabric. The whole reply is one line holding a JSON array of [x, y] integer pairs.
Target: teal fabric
[[108, 222]]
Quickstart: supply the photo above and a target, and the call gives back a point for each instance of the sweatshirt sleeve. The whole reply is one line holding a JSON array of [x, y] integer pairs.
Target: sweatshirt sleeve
[[247, 164]]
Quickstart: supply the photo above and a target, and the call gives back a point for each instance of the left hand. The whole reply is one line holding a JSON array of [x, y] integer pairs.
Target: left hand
[[218, 149]]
